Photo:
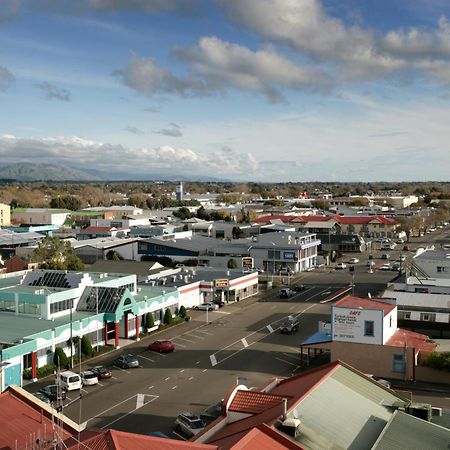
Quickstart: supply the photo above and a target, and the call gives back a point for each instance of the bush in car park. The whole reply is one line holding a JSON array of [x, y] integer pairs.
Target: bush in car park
[[168, 319], [86, 346], [60, 359], [182, 313], [149, 321]]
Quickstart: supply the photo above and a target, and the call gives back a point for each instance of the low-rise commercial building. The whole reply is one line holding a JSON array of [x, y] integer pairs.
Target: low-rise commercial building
[[5, 215]]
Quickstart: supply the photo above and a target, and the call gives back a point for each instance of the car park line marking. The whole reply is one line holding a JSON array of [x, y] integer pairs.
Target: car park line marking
[[150, 387], [289, 355], [182, 370], [84, 390], [204, 370], [295, 349], [100, 384], [222, 312], [114, 378], [167, 379], [139, 401], [179, 345], [198, 362], [148, 359], [287, 362], [292, 307], [270, 329], [273, 307], [213, 360], [244, 342], [179, 435], [154, 397], [191, 378], [123, 370], [174, 387], [112, 407], [195, 336], [205, 332], [187, 340]]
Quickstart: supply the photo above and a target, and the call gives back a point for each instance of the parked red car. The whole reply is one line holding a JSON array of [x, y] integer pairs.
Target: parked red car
[[162, 346], [101, 372]]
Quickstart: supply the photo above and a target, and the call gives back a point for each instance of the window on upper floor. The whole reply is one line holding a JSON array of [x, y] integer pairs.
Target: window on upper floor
[[369, 328], [428, 317]]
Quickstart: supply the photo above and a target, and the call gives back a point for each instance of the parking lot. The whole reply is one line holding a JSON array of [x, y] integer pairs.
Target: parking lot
[[240, 343]]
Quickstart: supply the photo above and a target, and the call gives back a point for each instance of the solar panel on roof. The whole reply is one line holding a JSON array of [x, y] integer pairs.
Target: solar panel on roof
[[108, 299]]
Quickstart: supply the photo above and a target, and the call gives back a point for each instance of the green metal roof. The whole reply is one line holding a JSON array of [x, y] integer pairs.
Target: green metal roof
[[344, 411], [408, 432]]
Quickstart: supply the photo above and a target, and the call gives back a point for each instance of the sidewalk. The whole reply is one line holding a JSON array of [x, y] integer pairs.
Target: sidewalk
[[421, 386]]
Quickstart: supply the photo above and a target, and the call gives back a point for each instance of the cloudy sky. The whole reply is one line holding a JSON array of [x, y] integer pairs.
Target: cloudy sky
[[251, 90]]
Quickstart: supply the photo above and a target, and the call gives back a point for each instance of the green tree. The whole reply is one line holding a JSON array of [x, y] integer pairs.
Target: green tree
[[86, 346], [183, 213], [149, 320], [55, 254], [66, 202], [232, 264], [182, 312], [60, 359], [168, 319]]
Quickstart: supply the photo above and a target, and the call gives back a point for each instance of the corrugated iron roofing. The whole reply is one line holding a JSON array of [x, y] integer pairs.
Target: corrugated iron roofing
[[253, 402], [406, 338], [358, 302]]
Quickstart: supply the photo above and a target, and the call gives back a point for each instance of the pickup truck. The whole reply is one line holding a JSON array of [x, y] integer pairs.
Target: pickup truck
[[286, 293], [290, 325]]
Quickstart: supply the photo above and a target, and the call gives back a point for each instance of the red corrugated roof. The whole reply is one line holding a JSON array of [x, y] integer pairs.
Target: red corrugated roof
[[365, 303], [99, 229], [406, 338], [265, 438], [346, 220], [23, 421], [120, 440], [293, 389], [253, 402]]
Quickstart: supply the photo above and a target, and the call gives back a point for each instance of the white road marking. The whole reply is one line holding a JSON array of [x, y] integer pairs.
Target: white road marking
[[154, 397], [222, 312], [182, 370], [150, 387], [191, 378], [179, 435], [84, 390], [148, 359], [100, 384], [204, 370], [269, 328], [198, 362], [112, 407], [123, 370], [174, 387], [273, 307], [195, 336], [213, 360], [178, 345], [167, 379], [205, 332], [287, 362], [139, 401], [291, 308], [295, 349], [244, 342], [290, 355], [114, 378], [187, 340]]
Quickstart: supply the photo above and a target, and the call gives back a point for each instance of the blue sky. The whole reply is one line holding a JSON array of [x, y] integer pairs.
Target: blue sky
[[250, 90]]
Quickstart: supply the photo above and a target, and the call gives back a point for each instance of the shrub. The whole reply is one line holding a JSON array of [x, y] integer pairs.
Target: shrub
[[60, 359], [187, 318], [168, 319], [182, 312], [232, 264], [439, 361], [149, 320], [86, 346], [43, 371]]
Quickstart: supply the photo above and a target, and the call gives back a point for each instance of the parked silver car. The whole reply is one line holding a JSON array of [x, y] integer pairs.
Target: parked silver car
[[207, 306]]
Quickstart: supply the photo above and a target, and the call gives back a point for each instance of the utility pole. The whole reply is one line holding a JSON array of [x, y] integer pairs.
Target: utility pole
[[96, 311]]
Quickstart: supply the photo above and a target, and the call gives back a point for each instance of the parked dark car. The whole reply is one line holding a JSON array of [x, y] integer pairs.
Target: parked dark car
[[102, 372], [298, 287], [189, 424], [53, 392], [126, 361], [290, 325], [42, 397], [212, 413]]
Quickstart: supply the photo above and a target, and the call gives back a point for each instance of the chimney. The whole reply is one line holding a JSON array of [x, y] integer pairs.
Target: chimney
[[284, 409]]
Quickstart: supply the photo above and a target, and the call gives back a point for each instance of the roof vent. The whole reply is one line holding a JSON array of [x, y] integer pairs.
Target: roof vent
[[291, 427]]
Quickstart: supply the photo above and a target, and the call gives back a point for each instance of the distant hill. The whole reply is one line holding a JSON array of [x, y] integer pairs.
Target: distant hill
[[44, 172], [55, 172]]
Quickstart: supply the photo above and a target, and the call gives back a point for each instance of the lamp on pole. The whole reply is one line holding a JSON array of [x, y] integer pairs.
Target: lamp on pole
[[96, 311]]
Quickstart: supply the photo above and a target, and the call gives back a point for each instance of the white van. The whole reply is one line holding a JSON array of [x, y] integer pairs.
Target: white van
[[69, 380]]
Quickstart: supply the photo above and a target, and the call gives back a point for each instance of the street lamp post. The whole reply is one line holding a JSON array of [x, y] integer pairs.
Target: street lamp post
[[96, 311]]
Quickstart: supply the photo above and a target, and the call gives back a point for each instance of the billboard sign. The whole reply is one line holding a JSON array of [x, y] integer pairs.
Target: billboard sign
[[221, 282], [247, 263], [289, 255]]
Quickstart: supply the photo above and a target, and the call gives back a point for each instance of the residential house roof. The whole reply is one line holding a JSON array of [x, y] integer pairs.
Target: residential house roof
[[120, 440], [253, 402], [406, 338], [25, 418], [349, 301], [406, 431], [347, 220]]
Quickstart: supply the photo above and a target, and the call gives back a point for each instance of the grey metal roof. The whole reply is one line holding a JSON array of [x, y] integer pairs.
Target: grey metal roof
[[10, 238], [345, 411], [408, 432], [434, 255]]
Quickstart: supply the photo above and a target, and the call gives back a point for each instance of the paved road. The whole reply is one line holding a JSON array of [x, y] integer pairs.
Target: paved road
[[240, 344]]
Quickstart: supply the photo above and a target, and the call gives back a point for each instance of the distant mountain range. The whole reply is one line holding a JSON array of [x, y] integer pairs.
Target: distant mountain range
[[54, 172]]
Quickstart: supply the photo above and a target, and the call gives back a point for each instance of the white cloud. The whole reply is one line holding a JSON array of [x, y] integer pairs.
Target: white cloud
[[6, 78], [78, 152], [173, 130]]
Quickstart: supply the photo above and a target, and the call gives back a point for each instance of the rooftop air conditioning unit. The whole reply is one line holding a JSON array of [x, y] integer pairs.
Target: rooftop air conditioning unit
[[291, 427], [139, 289]]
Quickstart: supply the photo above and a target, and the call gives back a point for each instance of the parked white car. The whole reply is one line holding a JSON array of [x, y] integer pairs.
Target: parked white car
[[341, 265], [207, 306], [89, 378], [353, 261]]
